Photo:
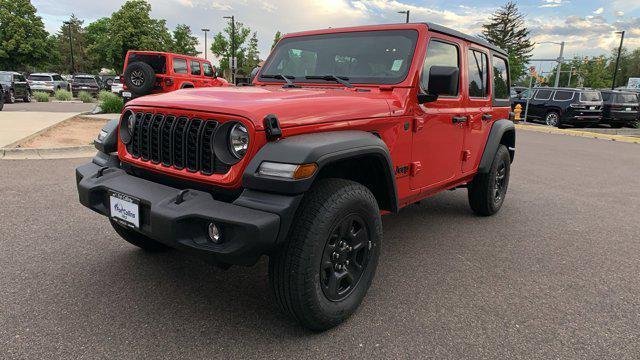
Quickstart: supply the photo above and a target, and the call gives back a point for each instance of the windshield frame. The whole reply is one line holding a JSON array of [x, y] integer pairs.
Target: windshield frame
[[415, 35]]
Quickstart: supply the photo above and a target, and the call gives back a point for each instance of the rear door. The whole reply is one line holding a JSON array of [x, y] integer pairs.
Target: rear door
[[478, 106], [180, 72], [538, 104], [438, 133]]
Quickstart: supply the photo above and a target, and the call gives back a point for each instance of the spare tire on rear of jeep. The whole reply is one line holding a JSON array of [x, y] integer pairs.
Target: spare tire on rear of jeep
[[139, 78]]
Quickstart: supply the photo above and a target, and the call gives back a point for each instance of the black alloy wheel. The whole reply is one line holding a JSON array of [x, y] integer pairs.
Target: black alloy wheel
[[345, 257]]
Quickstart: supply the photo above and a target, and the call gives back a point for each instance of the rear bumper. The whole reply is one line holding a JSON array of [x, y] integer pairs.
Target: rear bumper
[[620, 117], [248, 233]]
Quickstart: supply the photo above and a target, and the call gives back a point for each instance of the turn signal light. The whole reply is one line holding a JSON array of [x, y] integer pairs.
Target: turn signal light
[[305, 171], [287, 171]]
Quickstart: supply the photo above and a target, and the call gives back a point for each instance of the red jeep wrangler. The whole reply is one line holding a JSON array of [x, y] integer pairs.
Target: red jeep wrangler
[[152, 72], [341, 127]]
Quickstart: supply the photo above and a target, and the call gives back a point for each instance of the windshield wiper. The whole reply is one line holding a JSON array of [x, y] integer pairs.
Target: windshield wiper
[[340, 79], [286, 78]]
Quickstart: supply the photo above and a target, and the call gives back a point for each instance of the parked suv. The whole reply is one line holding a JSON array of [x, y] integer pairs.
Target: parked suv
[[620, 108], [150, 72], [88, 83], [15, 87], [562, 106], [47, 82], [341, 127]]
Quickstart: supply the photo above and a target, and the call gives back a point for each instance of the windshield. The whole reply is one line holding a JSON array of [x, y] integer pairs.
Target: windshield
[[5, 77], [39, 77], [590, 96], [368, 57], [84, 80]]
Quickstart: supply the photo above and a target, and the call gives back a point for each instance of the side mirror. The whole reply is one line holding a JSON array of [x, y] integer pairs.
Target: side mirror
[[443, 80]]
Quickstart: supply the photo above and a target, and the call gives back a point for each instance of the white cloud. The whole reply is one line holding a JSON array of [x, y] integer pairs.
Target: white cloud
[[220, 6], [598, 11], [552, 3], [619, 13]]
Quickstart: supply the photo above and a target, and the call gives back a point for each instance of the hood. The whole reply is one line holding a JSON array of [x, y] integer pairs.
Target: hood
[[293, 106]]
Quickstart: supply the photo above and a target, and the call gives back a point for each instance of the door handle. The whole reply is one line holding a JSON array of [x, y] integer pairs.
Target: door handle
[[459, 119], [487, 117]]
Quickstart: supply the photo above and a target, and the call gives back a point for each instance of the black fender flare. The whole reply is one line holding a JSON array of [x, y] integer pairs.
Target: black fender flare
[[187, 85], [495, 139], [109, 141], [323, 149]]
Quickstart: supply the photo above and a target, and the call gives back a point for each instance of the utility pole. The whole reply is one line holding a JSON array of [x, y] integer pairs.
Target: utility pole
[[233, 48], [615, 71], [205, 42], [405, 12], [73, 65], [560, 62]]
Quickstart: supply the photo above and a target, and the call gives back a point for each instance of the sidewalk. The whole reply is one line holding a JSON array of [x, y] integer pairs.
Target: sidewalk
[[17, 125]]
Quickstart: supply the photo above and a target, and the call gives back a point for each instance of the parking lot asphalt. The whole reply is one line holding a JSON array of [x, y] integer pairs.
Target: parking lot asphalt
[[64, 107], [553, 275]]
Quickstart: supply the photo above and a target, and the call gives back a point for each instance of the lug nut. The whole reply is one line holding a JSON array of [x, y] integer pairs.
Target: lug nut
[[335, 256], [346, 263]]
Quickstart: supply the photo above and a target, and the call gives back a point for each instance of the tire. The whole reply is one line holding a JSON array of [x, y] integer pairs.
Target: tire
[[12, 97], [552, 119], [27, 98], [139, 240], [336, 217], [139, 78], [487, 191]]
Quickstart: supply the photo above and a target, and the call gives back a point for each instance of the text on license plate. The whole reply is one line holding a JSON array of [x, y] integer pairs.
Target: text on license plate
[[125, 209]]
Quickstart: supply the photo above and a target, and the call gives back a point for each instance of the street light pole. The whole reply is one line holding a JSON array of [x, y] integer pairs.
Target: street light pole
[[73, 65], [205, 42], [560, 62], [405, 12], [233, 48], [615, 71]]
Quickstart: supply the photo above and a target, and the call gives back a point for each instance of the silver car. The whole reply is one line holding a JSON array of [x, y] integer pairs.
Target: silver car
[[47, 82]]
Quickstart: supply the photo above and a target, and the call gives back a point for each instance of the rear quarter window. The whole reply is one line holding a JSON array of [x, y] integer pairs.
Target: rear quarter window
[[500, 78], [543, 95], [180, 66], [563, 95]]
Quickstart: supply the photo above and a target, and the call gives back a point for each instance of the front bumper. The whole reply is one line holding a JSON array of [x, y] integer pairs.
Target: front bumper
[[248, 233]]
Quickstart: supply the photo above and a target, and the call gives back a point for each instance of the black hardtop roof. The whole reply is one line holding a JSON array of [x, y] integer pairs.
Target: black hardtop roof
[[563, 88], [455, 33]]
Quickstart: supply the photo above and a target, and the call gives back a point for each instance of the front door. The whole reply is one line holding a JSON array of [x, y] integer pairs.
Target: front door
[[439, 125]]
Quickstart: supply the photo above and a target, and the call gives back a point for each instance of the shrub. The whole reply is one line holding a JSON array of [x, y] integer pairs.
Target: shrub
[[40, 96], [102, 94], [63, 95], [111, 103], [85, 97]]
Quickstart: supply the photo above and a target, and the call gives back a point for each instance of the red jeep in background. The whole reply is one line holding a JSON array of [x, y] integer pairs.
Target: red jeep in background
[[152, 72], [341, 127]]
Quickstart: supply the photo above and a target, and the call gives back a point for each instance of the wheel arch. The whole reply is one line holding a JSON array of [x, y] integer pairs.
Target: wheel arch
[[353, 155], [503, 132], [187, 85]]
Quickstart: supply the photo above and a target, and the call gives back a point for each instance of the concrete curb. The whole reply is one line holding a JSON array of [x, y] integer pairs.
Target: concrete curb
[[587, 134], [47, 153]]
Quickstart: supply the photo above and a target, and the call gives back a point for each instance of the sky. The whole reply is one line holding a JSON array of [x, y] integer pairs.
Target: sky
[[587, 26]]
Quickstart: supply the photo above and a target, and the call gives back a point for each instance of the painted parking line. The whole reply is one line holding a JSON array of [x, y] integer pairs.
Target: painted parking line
[[587, 134]]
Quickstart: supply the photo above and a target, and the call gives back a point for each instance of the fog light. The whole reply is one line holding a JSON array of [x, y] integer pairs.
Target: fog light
[[214, 233]]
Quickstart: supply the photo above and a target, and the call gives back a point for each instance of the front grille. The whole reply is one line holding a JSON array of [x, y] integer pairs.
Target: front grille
[[176, 141]]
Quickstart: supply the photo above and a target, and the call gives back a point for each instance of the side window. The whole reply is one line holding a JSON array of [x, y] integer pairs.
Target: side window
[[16, 77], [500, 78], [195, 68], [180, 66], [478, 74], [439, 54], [543, 95], [563, 95], [208, 69], [57, 78]]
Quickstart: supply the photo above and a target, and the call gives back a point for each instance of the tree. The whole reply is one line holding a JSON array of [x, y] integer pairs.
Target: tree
[[80, 60], [276, 38], [183, 41], [23, 39], [100, 50], [253, 55], [132, 28], [221, 46], [506, 30]]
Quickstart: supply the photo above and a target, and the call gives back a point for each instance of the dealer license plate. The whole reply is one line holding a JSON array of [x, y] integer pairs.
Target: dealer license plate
[[628, 109], [84, 87], [592, 107], [126, 94], [125, 209]]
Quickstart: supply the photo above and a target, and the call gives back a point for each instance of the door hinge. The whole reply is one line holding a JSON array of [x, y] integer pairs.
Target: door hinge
[[466, 155], [416, 167], [418, 124]]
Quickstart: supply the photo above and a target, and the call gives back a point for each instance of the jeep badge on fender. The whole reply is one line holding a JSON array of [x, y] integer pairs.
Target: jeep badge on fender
[[339, 127]]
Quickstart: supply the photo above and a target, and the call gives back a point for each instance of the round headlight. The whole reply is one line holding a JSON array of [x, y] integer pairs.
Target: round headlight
[[127, 128], [238, 140]]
